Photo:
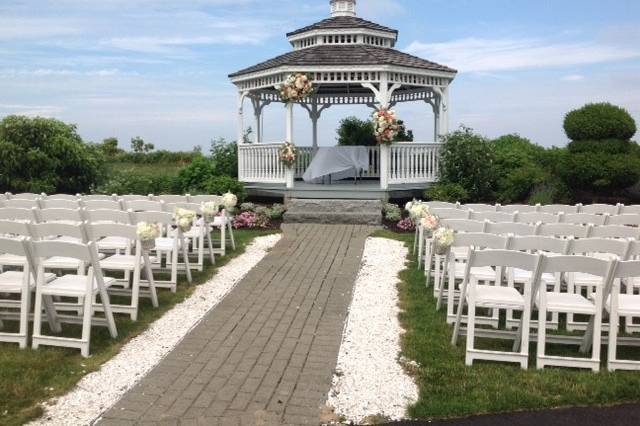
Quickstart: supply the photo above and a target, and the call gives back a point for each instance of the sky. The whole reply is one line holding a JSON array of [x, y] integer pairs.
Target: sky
[[158, 68]]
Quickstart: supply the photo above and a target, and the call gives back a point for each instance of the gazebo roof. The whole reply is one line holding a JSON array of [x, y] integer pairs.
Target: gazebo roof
[[342, 22], [355, 54]]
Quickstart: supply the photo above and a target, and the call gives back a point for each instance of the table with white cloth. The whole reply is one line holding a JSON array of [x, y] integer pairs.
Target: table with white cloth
[[336, 163]]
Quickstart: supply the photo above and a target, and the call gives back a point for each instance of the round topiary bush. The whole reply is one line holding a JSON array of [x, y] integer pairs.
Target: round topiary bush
[[599, 121]]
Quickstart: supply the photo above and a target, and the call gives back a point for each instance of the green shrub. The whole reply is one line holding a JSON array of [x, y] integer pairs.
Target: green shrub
[[353, 131], [606, 146], [449, 192], [599, 172], [130, 182], [599, 121], [551, 192], [276, 212], [225, 158], [46, 155], [192, 178], [392, 212], [247, 207], [467, 159], [223, 184]]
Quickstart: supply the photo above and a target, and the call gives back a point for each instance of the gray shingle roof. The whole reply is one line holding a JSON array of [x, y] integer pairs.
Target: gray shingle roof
[[355, 54], [342, 22]]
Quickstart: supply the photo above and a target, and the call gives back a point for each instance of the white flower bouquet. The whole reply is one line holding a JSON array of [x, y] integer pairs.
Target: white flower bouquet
[[296, 87], [288, 154], [443, 240], [147, 234], [418, 210], [229, 200], [184, 218], [385, 126], [210, 210]]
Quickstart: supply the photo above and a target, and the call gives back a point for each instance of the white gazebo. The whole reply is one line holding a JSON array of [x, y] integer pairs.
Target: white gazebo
[[351, 61]]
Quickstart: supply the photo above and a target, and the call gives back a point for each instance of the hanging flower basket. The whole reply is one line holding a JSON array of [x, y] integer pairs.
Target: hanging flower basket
[[184, 219], [443, 240], [288, 154], [385, 126], [296, 87], [147, 234], [210, 210]]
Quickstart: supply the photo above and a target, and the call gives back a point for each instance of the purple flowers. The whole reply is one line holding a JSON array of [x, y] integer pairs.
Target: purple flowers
[[406, 224], [250, 220]]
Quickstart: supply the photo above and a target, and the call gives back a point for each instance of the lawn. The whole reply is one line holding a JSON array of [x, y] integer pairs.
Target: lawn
[[448, 388], [28, 377]]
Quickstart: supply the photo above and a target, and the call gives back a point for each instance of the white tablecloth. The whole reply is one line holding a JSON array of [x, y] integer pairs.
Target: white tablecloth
[[339, 162]]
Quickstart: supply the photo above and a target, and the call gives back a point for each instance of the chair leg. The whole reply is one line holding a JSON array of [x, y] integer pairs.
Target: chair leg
[[524, 335], [50, 310], [86, 325], [135, 294], [471, 325], [152, 284], [233, 240], [612, 349], [185, 255], [211, 253], [542, 331], [25, 304]]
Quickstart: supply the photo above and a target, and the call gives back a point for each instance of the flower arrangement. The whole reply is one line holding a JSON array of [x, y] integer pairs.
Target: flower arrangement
[[209, 210], [296, 87], [147, 234], [288, 154], [430, 223], [417, 210], [443, 240], [385, 126], [229, 200], [184, 218]]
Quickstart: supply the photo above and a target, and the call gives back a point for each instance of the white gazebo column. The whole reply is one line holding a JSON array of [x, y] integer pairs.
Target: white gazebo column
[[442, 114], [315, 113], [241, 96], [290, 171], [257, 114]]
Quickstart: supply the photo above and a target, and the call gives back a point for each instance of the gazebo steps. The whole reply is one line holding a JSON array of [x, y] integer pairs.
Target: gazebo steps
[[352, 212]]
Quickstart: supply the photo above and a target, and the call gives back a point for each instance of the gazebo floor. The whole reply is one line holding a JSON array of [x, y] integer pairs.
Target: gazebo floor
[[341, 190]]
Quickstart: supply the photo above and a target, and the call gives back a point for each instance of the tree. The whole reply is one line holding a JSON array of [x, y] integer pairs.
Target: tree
[[109, 147], [45, 155], [356, 132], [403, 135], [139, 146]]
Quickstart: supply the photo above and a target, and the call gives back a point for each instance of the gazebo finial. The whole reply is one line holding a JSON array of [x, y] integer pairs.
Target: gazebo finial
[[343, 8]]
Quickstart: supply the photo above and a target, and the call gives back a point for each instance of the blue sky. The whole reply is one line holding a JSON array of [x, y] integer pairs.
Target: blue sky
[[158, 68]]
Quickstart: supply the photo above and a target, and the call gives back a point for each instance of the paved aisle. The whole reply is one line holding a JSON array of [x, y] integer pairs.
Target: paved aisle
[[266, 354]]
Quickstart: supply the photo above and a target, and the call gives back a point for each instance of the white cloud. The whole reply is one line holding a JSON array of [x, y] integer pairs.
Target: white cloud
[[21, 28], [485, 55], [573, 77]]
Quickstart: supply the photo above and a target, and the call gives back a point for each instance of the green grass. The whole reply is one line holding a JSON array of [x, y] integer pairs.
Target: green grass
[[145, 168], [28, 377], [448, 388]]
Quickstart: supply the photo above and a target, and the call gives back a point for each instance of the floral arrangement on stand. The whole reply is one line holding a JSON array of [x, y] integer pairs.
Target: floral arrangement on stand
[[443, 239], [147, 234], [429, 224], [184, 218], [288, 154], [229, 201], [385, 126], [209, 210], [296, 87]]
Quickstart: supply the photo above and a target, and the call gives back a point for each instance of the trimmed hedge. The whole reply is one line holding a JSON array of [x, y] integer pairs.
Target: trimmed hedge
[[599, 121]]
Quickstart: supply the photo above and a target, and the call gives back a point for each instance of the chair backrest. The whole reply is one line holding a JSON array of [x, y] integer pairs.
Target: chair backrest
[[465, 225], [49, 248], [504, 228], [107, 216], [102, 205], [627, 269], [59, 204], [162, 218], [538, 217], [98, 197], [205, 198], [59, 215], [451, 213], [610, 209], [504, 258], [18, 214], [441, 205], [537, 243], [12, 227], [19, 247], [559, 208], [26, 196], [21, 203], [615, 231], [67, 197], [95, 231], [132, 197], [591, 246], [564, 230], [480, 240], [588, 265], [172, 198], [521, 208], [632, 219], [585, 218], [171, 207], [481, 207], [144, 205], [633, 209], [493, 216], [47, 230]]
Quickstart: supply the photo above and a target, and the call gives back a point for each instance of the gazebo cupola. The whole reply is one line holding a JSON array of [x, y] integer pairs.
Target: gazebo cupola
[[351, 61]]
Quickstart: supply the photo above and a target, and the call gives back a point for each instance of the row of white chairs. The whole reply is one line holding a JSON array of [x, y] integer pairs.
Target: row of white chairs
[[187, 198], [548, 275], [612, 209]]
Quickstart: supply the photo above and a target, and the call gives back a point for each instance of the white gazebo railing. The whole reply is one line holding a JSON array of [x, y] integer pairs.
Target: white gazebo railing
[[400, 163]]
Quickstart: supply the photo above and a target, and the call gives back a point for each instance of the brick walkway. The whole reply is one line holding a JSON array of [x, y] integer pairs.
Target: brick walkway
[[266, 354]]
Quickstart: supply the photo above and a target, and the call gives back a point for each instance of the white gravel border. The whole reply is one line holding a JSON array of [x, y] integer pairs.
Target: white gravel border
[[369, 380], [98, 391]]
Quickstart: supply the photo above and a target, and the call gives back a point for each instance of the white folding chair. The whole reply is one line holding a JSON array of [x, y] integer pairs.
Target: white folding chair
[[84, 287], [493, 216], [520, 208], [18, 214], [632, 219], [11, 229], [449, 213], [18, 203], [506, 228], [98, 197], [621, 305], [561, 302], [564, 230], [609, 209], [441, 205], [59, 204], [224, 218], [131, 197], [455, 271], [168, 245], [497, 297], [26, 196], [60, 215], [49, 231], [102, 204], [559, 208], [482, 207], [144, 206], [67, 197], [585, 219], [130, 264], [633, 209], [199, 233], [538, 217], [171, 199], [615, 231]]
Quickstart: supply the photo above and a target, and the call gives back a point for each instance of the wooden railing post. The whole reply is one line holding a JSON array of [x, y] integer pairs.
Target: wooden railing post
[[384, 166]]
